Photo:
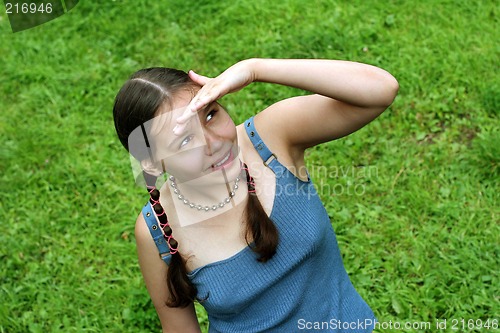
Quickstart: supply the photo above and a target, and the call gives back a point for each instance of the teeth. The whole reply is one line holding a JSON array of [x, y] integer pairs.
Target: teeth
[[223, 161]]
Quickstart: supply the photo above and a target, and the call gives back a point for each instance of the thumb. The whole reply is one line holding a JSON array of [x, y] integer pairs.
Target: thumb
[[200, 79]]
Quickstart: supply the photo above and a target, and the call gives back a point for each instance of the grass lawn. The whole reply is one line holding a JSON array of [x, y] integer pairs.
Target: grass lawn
[[414, 197]]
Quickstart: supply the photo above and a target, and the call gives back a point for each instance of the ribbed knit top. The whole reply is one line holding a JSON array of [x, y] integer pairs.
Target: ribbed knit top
[[304, 287]]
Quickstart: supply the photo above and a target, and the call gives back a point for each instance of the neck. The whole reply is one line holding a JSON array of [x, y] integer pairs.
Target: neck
[[208, 191]]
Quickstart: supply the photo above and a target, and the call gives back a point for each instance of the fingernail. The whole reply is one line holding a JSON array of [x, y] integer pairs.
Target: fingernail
[[176, 129], [179, 129]]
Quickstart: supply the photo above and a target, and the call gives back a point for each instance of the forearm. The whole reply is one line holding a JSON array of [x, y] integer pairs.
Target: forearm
[[350, 82]]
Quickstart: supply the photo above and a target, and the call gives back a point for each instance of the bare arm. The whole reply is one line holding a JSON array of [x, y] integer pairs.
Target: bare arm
[[154, 271], [353, 83], [346, 96]]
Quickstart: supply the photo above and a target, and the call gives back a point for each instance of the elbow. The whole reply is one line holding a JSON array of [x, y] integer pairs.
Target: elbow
[[393, 88], [390, 91]]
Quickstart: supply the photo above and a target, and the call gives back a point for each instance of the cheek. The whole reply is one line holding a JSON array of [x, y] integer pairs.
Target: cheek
[[186, 165], [227, 128]]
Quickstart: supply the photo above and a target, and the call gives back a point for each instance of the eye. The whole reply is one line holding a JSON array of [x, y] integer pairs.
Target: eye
[[186, 140], [210, 115]]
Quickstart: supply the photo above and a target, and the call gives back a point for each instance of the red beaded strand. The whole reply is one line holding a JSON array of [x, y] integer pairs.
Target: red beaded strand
[[250, 180], [154, 199]]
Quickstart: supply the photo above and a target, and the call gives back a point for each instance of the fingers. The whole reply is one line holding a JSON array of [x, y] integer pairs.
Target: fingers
[[182, 121], [210, 91], [199, 79], [206, 95], [191, 109], [196, 104], [200, 100]]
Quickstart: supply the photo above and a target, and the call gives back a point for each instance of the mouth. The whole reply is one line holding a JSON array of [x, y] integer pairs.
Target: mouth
[[224, 161]]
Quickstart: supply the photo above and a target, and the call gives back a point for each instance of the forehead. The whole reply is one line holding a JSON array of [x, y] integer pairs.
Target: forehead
[[156, 133], [169, 112], [183, 97]]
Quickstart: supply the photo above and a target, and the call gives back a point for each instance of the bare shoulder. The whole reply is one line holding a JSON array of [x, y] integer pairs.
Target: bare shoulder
[[141, 228], [269, 127], [144, 240], [275, 126], [154, 271], [305, 121]]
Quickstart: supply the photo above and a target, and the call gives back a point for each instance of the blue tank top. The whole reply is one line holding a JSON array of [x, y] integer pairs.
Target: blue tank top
[[304, 287]]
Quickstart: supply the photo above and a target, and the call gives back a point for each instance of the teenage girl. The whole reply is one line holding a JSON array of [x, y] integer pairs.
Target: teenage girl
[[238, 225]]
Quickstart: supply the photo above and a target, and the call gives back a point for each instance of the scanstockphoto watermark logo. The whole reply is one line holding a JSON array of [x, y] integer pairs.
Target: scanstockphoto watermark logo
[[332, 181], [438, 325], [29, 14], [343, 180], [328, 181]]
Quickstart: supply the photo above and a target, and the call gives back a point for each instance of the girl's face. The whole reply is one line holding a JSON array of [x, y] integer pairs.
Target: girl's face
[[207, 146]]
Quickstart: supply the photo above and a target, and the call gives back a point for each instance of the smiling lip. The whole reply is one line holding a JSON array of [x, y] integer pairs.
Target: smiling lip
[[227, 159]]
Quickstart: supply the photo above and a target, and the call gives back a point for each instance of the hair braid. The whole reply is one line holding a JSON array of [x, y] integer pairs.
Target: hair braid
[[182, 291]]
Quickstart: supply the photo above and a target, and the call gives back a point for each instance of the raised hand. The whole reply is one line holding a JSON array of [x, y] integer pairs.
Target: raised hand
[[232, 79]]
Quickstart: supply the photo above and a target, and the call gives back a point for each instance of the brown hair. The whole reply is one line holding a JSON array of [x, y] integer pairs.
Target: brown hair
[[138, 102]]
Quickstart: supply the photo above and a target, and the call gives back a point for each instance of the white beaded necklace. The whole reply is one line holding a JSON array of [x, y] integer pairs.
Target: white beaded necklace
[[201, 207]]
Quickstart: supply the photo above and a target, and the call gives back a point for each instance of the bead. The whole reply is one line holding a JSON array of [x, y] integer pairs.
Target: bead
[[205, 208], [163, 218], [158, 209], [155, 194], [173, 243], [167, 230]]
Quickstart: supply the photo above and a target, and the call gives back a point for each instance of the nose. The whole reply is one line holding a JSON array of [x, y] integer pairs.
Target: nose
[[213, 143]]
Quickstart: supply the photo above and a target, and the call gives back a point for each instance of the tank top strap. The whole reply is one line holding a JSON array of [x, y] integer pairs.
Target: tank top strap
[[156, 233], [270, 160]]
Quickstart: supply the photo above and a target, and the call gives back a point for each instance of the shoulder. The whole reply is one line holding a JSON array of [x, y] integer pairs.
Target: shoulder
[[140, 223], [268, 125], [141, 229], [154, 272], [305, 121], [146, 247], [153, 269], [290, 120]]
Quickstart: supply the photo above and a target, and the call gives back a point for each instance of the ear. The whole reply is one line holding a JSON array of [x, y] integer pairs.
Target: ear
[[153, 168]]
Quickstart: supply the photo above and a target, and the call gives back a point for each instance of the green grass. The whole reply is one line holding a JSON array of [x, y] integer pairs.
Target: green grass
[[416, 208]]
